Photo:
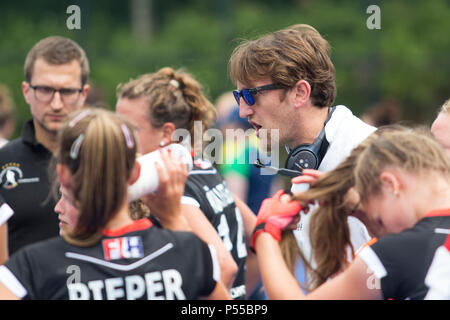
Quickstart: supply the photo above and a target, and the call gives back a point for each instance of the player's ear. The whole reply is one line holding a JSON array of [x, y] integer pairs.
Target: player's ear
[[167, 132]]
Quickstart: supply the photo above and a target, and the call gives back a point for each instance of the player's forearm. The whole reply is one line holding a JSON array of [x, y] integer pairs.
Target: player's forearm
[[3, 244], [279, 283], [253, 275]]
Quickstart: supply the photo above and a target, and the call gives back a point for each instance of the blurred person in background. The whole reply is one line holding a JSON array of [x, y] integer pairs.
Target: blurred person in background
[[7, 115], [238, 156], [96, 97], [56, 71], [384, 113], [225, 103], [441, 126]]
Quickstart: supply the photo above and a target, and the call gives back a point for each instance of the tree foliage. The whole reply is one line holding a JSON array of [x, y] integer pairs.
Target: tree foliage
[[406, 59]]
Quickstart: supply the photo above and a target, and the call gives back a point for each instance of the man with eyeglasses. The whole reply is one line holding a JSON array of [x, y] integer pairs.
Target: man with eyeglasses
[[56, 72], [286, 82]]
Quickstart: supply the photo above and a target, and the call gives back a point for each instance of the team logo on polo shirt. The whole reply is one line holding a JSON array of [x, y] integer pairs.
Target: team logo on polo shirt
[[123, 248], [11, 176]]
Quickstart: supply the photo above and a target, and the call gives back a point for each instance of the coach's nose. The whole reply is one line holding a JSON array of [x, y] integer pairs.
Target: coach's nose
[[245, 110]]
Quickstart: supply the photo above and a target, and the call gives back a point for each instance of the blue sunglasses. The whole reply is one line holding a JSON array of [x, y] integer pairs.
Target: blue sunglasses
[[247, 94]]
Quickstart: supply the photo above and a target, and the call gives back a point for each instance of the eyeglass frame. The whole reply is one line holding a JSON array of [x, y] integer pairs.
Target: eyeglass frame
[[53, 93], [251, 91]]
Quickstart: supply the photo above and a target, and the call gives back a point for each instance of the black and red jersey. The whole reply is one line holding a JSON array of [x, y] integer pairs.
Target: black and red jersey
[[438, 276], [135, 262], [401, 261], [207, 189]]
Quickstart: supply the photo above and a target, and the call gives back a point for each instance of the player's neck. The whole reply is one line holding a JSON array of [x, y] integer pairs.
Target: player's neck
[[439, 191], [120, 219]]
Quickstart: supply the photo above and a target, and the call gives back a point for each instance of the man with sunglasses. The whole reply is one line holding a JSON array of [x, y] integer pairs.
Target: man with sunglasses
[[56, 72], [286, 82]]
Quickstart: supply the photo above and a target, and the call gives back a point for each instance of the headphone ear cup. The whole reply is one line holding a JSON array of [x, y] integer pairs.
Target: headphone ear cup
[[302, 158], [309, 156]]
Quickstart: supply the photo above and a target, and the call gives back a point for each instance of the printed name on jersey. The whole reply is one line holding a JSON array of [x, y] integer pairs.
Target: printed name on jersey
[[123, 248], [11, 175], [238, 292], [157, 285], [219, 197]]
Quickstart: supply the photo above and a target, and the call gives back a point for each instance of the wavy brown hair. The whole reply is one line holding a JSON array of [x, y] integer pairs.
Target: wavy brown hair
[[286, 56], [57, 50]]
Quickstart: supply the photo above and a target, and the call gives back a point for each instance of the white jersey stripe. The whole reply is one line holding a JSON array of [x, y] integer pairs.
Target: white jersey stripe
[[373, 262], [190, 201], [193, 172], [120, 267], [441, 230], [438, 276], [10, 281], [216, 267]]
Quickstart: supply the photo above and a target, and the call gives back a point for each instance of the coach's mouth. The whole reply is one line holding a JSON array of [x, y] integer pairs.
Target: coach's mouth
[[256, 126]]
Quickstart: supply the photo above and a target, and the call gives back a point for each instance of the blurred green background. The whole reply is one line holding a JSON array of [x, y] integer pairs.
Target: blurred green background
[[406, 60]]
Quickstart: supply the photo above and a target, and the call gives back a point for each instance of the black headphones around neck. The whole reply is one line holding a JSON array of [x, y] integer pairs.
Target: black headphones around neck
[[309, 156]]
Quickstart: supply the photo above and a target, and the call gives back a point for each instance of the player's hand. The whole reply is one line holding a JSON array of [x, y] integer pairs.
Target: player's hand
[[309, 176], [275, 215], [165, 203]]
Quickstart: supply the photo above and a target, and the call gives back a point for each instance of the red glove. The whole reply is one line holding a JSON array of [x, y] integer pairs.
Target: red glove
[[274, 215]]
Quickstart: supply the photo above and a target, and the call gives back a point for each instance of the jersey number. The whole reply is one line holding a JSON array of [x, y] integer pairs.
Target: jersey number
[[224, 232]]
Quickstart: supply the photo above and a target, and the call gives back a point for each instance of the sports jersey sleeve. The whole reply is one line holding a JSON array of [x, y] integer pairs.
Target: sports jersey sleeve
[[388, 262], [201, 265], [438, 276], [190, 194], [189, 200], [5, 211], [16, 275], [212, 269], [215, 270]]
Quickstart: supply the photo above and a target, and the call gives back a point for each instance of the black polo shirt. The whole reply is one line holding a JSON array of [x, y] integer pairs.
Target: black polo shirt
[[24, 184]]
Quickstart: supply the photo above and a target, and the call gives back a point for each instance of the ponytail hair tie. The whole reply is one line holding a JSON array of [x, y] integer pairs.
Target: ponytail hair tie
[[175, 83], [76, 145], [128, 136], [79, 117]]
